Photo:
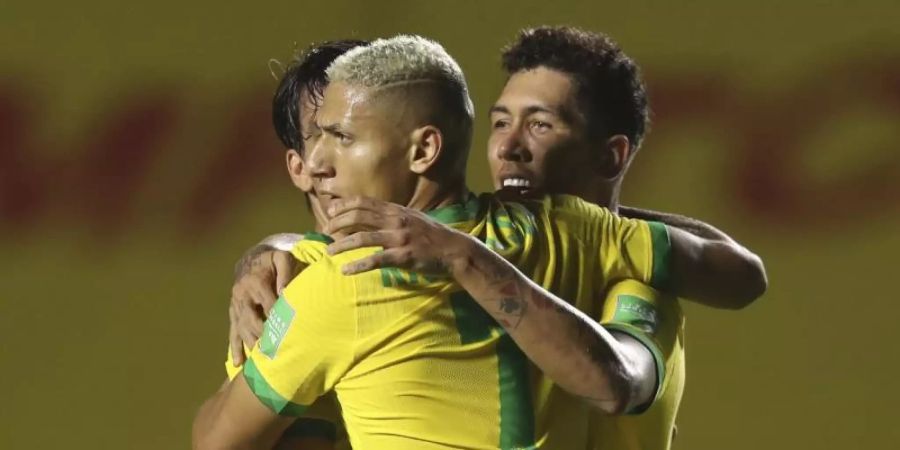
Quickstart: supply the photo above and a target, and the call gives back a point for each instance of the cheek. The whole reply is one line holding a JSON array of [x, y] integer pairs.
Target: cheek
[[493, 156], [373, 172]]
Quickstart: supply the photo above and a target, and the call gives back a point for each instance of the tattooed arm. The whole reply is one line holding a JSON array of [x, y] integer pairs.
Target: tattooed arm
[[259, 276], [613, 372], [251, 258]]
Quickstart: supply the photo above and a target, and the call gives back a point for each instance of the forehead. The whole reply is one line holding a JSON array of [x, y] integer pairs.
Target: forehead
[[545, 87], [342, 102]]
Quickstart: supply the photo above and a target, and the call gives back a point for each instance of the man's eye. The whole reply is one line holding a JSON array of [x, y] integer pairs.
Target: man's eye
[[540, 126], [502, 123]]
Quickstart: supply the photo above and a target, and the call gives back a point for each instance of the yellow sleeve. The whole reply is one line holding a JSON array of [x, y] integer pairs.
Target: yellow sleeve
[[307, 342], [634, 249], [645, 314], [625, 248], [322, 420], [311, 248]]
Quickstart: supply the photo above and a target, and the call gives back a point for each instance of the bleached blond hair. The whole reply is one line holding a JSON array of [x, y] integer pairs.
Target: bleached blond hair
[[392, 60], [406, 60]]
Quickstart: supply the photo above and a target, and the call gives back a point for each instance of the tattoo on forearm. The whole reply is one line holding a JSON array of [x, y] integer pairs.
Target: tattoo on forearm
[[542, 301], [250, 261], [512, 305]]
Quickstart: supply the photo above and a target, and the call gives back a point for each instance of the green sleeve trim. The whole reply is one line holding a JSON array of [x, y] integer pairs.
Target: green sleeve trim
[[660, 277], [318, 237], [312, 427], [648, 342], [268, 396]]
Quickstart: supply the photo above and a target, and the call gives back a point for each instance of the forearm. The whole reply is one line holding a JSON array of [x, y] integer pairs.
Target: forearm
[[696, 227], [739, 275], [715, 273], [281, 241], [205, 420], [569, 347], [227, 422]]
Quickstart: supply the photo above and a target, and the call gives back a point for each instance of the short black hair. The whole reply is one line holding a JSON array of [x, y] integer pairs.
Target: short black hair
[[609, 82], [306, 71]]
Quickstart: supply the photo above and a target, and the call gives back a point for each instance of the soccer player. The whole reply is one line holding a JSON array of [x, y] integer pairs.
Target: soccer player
[[557, 76], [296, 99], [416, 333]]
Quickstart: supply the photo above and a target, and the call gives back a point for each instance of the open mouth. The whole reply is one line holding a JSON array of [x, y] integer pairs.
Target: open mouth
[[515, 182], [518, 185]]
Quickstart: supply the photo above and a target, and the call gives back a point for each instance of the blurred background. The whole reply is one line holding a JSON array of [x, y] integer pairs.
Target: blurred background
[[137, 162]]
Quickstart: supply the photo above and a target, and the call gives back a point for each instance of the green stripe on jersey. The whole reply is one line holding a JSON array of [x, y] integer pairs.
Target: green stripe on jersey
[[264, 392], [516, 409], [474, 324], [662, 255]]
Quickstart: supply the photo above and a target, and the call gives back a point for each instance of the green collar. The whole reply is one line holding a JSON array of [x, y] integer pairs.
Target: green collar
[[457, 212]]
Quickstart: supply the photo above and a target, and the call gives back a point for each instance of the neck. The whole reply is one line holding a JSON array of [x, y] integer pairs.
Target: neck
[[430, 194], [605, 194]]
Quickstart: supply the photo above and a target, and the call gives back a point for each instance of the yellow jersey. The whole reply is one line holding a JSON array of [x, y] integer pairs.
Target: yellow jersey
[[416, 363]]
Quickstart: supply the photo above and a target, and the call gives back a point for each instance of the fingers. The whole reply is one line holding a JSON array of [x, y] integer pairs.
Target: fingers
[[250, 326], [251, 299], [261, 294], [364, 265], [285, 268], [388, 258], [361, 220], [355, 220], [386, 239], [234, 340]]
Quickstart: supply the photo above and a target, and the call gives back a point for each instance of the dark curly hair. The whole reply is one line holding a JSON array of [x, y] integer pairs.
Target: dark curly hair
[[610, 87], [306, 71]]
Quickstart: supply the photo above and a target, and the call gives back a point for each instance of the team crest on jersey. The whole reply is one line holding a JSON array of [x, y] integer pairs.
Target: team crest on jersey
[[277, 325], [637, 312]]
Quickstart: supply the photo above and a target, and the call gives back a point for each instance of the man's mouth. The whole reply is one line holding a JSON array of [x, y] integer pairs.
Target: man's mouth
[[516, 182], [518, 185], [325, 198]]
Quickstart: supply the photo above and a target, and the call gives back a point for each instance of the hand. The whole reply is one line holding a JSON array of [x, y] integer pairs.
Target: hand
[[411, 239], [253, 295]]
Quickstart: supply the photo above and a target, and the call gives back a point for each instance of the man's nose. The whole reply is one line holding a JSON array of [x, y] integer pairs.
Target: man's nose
[[511, 148], [319, 161]]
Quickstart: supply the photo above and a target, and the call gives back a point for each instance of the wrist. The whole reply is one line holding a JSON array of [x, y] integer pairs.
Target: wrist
[[457, 253]]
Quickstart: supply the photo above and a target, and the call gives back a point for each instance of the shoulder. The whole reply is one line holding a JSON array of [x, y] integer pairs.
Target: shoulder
[[324, 276], [311, 247]]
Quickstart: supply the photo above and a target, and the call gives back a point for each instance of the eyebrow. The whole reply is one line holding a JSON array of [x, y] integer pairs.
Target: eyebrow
[[330, 128], [529, 110]]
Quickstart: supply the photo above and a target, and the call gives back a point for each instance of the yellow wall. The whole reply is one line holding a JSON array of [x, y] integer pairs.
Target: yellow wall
[[136, 163]]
